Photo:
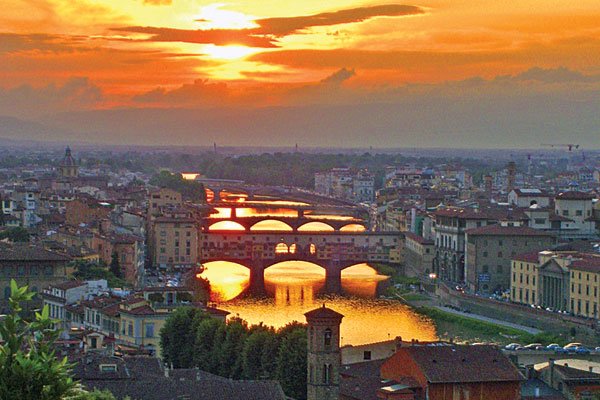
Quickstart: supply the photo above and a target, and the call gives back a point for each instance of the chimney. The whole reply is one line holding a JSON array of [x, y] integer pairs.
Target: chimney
[[591, 368], [398, 343]]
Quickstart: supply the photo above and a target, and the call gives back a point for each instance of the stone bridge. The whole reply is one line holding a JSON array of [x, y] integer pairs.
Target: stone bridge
[[333, 251]]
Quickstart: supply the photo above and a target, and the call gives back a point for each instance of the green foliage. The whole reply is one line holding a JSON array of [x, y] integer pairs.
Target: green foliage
[[291, 363], [90, 271], [114, 267], [236, 350], [17, 234], [190, 190], [487, 329], [252, 354], [29, 369], [178, 334], [94, 395]]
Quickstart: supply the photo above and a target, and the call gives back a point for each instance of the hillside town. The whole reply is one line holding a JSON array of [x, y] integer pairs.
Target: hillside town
[[114, 256]]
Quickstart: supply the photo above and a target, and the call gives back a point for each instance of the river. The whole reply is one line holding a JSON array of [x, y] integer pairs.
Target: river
[[295, 287]]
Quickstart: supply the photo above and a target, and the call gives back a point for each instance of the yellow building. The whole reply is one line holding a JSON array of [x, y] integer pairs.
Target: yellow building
[[174, 242], [141, 325], [161, 199], [524, 278], [585, 281]]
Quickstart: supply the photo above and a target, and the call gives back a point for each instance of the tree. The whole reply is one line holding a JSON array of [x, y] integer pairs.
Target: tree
[[252, 360], [190, 190], [178, 334], [29, 369], [231, 349], [206, 332], [17, 234], [291, 363], [115, 268]]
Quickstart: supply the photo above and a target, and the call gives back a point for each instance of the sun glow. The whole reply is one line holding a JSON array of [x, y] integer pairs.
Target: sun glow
[[228, 52], [213, 17]]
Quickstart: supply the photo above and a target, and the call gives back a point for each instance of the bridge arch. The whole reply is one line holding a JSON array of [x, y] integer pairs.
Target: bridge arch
[[271, 225], [316, 226], [227, 279], [353, 228], [226, 226]]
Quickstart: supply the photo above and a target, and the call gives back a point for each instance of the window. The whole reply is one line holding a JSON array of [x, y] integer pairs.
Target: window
[[565, 212], [366, 355], [499, 254], [48, 270], [327, 337], [21, 270], [130, 329], [485, 253], [6, 292], [579, 213], [108, 367], [149, 330]]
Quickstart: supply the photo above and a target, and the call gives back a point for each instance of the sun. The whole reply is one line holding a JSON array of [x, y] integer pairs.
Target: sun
[[213, 17]]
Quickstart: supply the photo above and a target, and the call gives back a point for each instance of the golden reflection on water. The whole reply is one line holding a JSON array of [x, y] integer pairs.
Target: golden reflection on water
[[294, 288], [271, 225], [265, 212]]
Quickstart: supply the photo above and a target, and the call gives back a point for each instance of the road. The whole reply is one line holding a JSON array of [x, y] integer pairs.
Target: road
[[527, 329]]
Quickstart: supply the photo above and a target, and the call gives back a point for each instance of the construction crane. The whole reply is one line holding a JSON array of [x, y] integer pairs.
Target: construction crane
[[569, 146]]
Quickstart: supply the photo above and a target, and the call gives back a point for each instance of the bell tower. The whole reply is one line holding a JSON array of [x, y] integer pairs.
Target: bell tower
[[324, 358]]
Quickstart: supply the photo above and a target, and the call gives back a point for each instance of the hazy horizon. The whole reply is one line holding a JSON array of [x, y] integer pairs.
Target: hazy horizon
[[179, 72]]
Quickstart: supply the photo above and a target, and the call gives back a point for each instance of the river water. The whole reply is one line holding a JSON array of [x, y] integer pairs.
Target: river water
[[295, 287]]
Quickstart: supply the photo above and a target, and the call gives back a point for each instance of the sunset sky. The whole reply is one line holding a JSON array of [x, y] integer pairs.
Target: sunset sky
[[59, 58]]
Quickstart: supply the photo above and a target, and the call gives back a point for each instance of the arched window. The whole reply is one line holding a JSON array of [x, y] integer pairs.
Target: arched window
[[326, 373], [327, 337], [313, 248], [293, 248], [281, 248]]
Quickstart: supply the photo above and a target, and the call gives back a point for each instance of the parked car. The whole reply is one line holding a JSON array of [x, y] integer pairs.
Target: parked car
[[582, 350], [533, 346], [512, 346], [561, 350], [553, 346], [572, 346], [597, 350]]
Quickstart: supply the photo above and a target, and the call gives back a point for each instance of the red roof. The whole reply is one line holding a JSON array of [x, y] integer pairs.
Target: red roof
[[530, 257], [462, 364], [498, 230]]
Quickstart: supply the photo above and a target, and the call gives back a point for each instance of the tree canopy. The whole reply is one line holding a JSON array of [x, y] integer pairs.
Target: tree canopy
[[191, 338]]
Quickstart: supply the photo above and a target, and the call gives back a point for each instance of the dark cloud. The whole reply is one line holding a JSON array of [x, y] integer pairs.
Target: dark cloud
[[555, 75], [339, 76], [12, 42], [219, 37], [287, 25], [201, 92], [269, 29], [75, 94]]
